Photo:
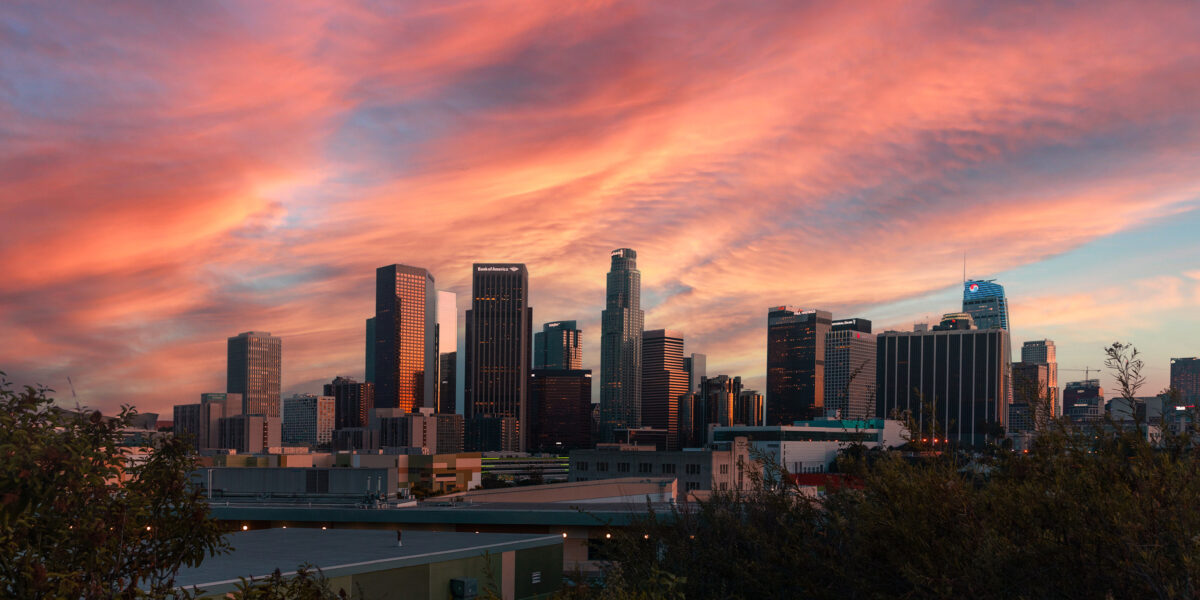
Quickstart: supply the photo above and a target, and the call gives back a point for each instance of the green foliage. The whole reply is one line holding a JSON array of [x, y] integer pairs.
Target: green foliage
[[80, 517], [1098, 511], [307, 584]]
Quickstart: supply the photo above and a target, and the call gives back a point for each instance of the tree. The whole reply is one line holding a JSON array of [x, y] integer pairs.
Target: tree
[[81, 516]]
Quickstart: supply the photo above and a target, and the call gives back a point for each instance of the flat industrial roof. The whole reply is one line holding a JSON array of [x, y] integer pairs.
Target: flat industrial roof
[[496, 513], [339, 552]]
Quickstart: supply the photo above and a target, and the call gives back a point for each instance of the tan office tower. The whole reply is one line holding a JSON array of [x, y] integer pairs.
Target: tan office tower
[[621, 346], [254, 372], [664, 380]]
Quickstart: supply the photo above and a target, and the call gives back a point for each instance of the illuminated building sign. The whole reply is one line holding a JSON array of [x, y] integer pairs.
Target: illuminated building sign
[[501, 269]]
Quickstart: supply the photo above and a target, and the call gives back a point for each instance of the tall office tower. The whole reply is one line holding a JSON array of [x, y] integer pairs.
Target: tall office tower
[[1083, 400], [253, 372], [984, 300], [557, 346], [499, 343], [1042, 352], [1185, 377], [748, 408], [621, 346], [405, 338], [449, 433], [448, 387], [370, 373], [560, 410], [962, 374], [353, 402], [664, 380], [796, 364], [715, 403], [850, 369], [696, 367], [1031, 389], [308, 419]]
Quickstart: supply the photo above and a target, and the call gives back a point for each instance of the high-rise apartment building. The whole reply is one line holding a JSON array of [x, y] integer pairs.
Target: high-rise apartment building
[[664, 381], [499, 343], [254, 372], [448, 387], [850, 369], [958, 376], [353, 402], [308, 419], [984, 300], [560, 410], [557, 346], [1185, 377], [621, 345], [1042, 352], [796, 364], [405, 338], [696, 366]]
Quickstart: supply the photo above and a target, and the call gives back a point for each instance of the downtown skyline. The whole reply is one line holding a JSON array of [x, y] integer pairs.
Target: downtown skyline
[[191, 176]]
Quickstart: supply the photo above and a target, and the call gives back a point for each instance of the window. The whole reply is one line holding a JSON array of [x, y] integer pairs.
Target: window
[[622, 467], [581, 465], [602, 467], [724, 486], [645, 468], [692, 469], [668, 468], [692, 485], [724, 469]]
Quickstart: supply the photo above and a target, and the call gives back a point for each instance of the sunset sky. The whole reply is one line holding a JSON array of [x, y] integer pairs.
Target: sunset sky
[[172, 174]]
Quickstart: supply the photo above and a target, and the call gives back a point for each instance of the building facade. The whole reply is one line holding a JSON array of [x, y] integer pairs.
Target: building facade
[[449, 433], [697, 470], [696, 367], [1043, 352], [308, 419], [201, 421], [1031, 387], [254, 364], [491, 434], [560, 410], [1083, 400], [353, 402], [249, 434], [811, 446], [796, 364], [405, 338], [370, 354], [664, 382], [621, 324], [955, 377], [984, 300], [448, 386], [558, 346], [850, 369], [1185, 378], [499, 343]]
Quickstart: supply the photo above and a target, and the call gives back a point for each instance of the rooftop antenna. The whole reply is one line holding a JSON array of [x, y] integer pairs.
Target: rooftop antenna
[[964, 268]]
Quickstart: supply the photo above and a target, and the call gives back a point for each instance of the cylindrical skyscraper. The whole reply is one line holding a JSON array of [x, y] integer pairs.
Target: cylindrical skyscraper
[[621, 346]]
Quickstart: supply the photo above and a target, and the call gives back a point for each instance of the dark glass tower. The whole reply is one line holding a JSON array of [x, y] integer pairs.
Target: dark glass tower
[[557, 346], [353, 402], [499, 338], [1185, 377], [984, 300], [621, 346], [448, 395], [254, 372], [796, 364], [370, 378], [560, 410], [405, 338], [961, 375]]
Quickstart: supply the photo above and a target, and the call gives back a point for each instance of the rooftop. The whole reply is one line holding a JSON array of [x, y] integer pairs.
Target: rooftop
[[339, 552]]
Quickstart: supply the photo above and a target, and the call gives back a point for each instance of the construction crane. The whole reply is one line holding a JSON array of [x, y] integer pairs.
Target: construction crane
[[1086, 372]]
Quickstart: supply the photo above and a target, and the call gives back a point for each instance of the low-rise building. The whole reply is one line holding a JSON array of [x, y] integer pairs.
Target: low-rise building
[[696, 469], [811, 446]]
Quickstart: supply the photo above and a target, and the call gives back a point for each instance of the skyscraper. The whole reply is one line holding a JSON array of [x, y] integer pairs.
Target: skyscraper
[[664, 380], [960, 372], [621, 345], [499, 343], [405, 338], [796, 364], [353, 402], [308, 419], [557, 346], [1042, 352], [370, 373], [850, 369], [1185, 377], [560, 410], [1031, 389], [254, 372], [984, 300], [448, 387], [696, 366]]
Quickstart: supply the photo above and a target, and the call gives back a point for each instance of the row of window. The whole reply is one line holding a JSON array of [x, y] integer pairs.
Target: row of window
[[646, 468]]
